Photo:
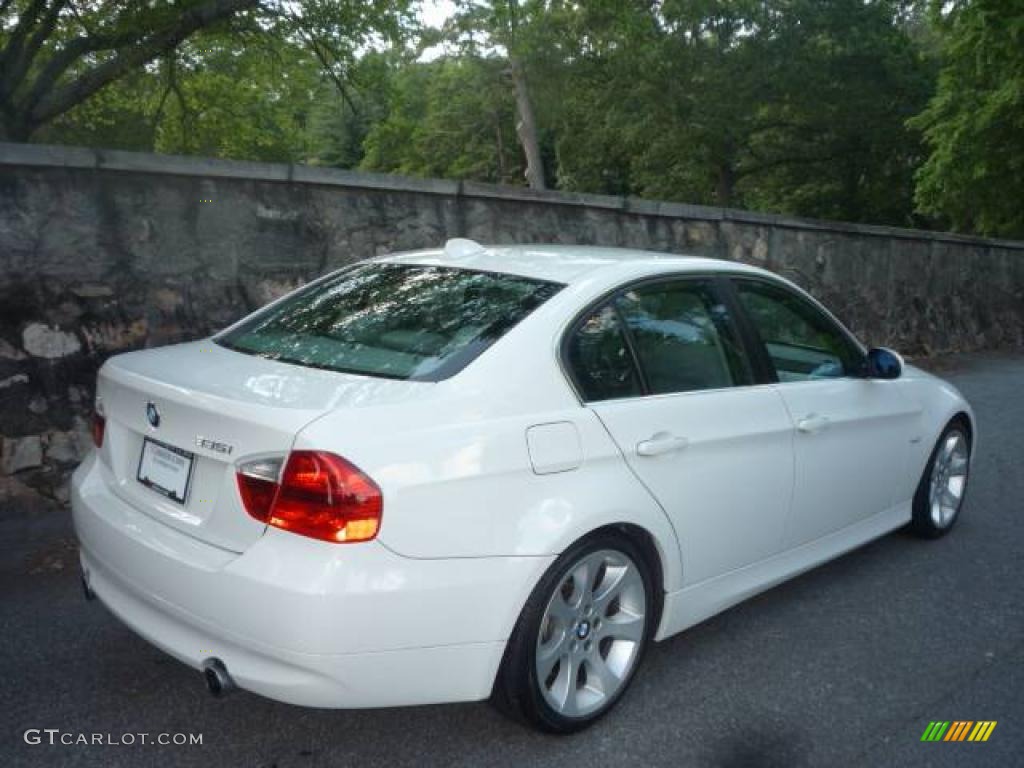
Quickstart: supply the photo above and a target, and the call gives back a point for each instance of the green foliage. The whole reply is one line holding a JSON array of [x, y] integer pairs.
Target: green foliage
[[831, 140], [974, 126], [117, 117], [56, 55], [450, 118], [340, 123], [246, 102], [825, 108], [794, 106], [217, 95]]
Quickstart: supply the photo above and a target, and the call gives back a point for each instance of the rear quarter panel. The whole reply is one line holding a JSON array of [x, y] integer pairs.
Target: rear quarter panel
[[460, 483]]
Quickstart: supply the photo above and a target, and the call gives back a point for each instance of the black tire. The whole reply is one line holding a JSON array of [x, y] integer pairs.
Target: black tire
[[517, 689], [923, 522]]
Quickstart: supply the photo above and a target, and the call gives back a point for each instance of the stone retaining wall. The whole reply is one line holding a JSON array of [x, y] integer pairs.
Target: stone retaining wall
[[102, 252]]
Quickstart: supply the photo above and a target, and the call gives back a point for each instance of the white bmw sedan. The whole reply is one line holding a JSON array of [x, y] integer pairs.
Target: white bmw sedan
[[496, 472]]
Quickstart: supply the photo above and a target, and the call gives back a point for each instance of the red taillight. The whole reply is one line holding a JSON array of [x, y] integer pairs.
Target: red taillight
[[99, 426], [320, 495], [257, 495]]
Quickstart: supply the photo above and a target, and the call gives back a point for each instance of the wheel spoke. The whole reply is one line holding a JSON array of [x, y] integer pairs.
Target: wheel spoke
[[582, 577], [955, 486], [559, 610], [958, 464], [624, 626], [563, 689], [949, 498], [600, 673], [550, 653], [950, 446], [611, 585]]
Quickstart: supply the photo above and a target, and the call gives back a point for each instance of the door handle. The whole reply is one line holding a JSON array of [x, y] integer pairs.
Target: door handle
[[812, 423], [660, 443]]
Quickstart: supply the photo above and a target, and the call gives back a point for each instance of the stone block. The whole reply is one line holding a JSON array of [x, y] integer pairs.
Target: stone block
[[64, 447], [40, 340], [21, 453]]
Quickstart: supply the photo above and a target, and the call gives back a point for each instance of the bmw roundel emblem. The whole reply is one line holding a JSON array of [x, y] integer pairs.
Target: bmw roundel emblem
[[152, 415]]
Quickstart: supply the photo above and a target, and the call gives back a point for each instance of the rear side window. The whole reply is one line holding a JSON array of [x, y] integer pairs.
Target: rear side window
[[400, 321], [657, 338], [600, 359], [683, 337]]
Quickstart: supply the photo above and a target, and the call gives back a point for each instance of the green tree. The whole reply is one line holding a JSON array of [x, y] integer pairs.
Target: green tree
[[510, 31], [448, 119], [341, 122], [974, 126], [831, 139], [786, 105]]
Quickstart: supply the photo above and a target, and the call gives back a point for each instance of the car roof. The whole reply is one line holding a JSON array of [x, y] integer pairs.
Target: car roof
[[561, 263]]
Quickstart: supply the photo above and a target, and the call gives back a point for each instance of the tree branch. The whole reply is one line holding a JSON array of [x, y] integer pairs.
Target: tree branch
[[12, 50], [327, 64], [158, 115], [63, 98], [67, 56], [16, 70]]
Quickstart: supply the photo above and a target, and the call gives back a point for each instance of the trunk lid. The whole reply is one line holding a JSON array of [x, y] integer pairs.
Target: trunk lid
[[221, 407]]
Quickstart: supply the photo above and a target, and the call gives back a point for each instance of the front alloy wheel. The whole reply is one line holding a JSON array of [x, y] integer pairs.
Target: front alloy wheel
[[580, 636], [940, 494]]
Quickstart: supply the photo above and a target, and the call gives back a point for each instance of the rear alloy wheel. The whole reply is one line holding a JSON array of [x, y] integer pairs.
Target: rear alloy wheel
[[940, 494], [580, 637]]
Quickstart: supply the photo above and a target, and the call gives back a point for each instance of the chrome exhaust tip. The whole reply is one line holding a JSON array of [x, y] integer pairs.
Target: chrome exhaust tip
[[218, 681]]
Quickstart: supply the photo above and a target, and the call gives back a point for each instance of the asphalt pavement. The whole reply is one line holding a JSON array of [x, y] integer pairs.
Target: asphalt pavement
[[844, 666]]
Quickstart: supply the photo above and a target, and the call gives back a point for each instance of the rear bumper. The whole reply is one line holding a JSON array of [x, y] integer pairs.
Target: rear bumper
[[302, 621]]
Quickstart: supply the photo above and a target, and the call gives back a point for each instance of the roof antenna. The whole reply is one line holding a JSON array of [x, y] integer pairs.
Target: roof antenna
[[462, 248]]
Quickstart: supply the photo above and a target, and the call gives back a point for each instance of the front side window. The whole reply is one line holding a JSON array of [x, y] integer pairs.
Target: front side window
[[802, 343], [401, 321]]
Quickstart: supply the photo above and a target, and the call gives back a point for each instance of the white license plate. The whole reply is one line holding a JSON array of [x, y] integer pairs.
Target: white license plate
[[165, 469]]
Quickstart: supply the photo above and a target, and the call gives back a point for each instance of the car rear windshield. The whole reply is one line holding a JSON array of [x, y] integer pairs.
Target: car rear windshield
[[400, 321]]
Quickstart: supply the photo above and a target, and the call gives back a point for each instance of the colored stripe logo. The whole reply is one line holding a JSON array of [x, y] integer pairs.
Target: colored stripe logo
[[959, 730]]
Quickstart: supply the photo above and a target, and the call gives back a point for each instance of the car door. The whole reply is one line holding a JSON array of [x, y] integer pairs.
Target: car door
[[662, 365], [852, 433]]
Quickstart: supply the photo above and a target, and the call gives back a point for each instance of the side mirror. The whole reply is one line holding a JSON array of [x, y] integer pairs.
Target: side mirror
[[884, 364]]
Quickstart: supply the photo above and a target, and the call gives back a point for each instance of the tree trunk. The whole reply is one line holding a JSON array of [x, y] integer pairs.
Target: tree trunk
[[725, 185], [526, 127], [499, 139], [13, 130]]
